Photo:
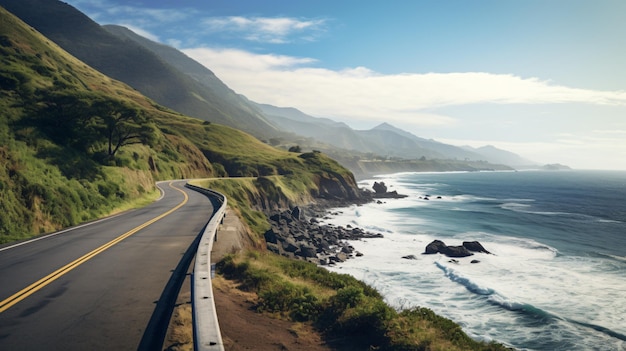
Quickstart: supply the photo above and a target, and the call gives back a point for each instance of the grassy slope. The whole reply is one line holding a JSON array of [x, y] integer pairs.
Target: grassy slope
[[350, 314]]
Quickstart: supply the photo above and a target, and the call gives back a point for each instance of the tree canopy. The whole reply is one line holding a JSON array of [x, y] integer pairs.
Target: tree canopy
[[90, 123]]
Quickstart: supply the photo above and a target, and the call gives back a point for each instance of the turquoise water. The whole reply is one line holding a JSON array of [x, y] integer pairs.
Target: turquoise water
[[556, 280]]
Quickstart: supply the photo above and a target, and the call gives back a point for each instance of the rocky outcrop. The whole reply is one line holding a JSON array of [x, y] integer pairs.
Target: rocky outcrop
[[293, 235], [434, 247], [456, 251], [380, 192], [475, 246], [438, 246], [379, 188]]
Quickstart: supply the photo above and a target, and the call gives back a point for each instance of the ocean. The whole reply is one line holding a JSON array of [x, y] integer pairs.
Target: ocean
[[556, 278]]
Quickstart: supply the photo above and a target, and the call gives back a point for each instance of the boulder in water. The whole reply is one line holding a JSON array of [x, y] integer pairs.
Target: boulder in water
[[434, 247], [475, 246], [456, 251], [438, 246]]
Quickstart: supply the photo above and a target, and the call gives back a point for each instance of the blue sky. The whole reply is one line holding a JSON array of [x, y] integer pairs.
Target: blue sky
[[543, 78]]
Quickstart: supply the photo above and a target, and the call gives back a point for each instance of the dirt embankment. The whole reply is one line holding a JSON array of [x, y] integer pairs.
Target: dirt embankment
[[241, 327]]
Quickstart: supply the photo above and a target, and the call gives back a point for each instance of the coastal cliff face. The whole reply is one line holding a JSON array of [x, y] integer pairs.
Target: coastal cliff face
[[332, 181], [337, 187], [269, 194]]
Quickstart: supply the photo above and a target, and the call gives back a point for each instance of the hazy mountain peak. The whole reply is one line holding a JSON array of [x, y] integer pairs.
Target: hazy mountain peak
[[385, 125]]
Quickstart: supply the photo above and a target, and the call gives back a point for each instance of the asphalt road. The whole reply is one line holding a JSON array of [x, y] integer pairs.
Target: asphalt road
[[121, 284]]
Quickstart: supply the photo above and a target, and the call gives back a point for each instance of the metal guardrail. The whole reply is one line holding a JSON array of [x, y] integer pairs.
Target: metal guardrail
[[206, 329]]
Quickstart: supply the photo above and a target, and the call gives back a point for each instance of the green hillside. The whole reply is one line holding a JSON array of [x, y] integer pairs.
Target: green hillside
[[76, 144]]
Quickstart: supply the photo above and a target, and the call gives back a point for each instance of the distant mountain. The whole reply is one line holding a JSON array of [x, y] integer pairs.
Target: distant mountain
[[446, 150], [123, 57], [495, 155], [294, 114], [383, 140], [556, 167]]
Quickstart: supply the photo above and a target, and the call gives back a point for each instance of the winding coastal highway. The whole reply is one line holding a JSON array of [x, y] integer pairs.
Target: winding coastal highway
[[108, 285]]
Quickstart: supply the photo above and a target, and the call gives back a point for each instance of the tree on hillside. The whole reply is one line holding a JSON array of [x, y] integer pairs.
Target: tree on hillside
[[65, 117], [86, 122], [123, 125]]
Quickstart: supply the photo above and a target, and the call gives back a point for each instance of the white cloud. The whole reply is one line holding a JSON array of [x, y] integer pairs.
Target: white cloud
[[233, 60], [265, 29], [365, 94]]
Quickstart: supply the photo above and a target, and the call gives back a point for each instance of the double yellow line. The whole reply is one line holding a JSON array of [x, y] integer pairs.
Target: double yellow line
[[38, 285]]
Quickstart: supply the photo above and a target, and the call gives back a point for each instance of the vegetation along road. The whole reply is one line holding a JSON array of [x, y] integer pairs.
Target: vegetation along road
[[108, 285]]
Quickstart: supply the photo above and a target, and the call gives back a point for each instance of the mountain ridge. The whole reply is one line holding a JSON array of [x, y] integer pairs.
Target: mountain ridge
[[401, 143]]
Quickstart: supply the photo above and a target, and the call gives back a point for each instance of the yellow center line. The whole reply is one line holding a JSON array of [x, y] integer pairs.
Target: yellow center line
[[38, 285]]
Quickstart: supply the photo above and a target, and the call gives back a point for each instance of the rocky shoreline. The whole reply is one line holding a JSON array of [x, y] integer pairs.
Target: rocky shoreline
[[297, 235]]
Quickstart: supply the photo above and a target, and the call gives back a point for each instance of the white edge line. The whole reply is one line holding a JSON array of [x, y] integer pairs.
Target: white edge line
[[76, 227]]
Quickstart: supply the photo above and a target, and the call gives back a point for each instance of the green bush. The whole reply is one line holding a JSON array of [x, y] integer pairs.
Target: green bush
[[297, 301], [347, 297]]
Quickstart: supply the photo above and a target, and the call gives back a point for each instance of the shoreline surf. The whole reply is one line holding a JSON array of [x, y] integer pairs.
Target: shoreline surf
[[529, 288]]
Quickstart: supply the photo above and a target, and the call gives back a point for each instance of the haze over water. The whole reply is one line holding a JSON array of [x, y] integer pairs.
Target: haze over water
[[555, 280]]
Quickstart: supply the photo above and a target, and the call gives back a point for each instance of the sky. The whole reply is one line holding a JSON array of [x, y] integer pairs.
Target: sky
[[545, 79]]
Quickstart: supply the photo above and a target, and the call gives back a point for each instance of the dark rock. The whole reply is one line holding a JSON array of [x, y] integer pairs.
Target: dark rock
[[438, 246], [347, 249], [454, 261], [410, 257], [475, 246], [271, 236], [289, 245], [379, 188], [456, 251], [475, 261], [297, 214], [338, 258], [275, 217], [307, 251], [273, 248], [380, 191], [389, 195], [434, 247]]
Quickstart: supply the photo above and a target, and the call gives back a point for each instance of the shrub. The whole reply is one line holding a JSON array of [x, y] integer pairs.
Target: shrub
[[297, 301]]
